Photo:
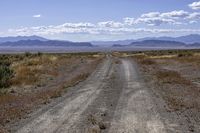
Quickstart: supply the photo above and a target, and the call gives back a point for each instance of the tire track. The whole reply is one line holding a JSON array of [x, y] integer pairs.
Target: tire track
[[135, 111]]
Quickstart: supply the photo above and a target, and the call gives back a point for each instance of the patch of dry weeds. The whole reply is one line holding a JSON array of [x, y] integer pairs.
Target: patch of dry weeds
[[64, 70]]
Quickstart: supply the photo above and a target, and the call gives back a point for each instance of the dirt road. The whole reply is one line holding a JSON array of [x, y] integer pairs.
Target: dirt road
[[135, 111], [113, 99]]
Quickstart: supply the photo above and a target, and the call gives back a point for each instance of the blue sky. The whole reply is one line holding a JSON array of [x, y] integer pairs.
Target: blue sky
[[86, 20]]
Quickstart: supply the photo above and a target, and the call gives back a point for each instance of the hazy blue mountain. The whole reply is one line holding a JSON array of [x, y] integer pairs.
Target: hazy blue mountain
[[110, 43], [46, 43], [188, 39], [154, 43], [157, 43], [194, 45], [193, 38], [19, 38]]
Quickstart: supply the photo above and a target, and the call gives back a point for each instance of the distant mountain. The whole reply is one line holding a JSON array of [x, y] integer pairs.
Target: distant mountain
[[194, 45], [46, 43], [118, 45], [19, 38], [188, 39], [157, 43], [193, 38], [154, 43], [110, 43]]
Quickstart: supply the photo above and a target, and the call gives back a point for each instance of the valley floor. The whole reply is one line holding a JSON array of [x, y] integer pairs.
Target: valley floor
[[118, 97]]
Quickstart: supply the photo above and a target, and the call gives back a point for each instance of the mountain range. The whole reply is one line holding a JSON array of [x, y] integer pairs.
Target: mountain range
[[188, 39], [19, 38], [46, 43], [192, 40], [153, 43], [20, 41]]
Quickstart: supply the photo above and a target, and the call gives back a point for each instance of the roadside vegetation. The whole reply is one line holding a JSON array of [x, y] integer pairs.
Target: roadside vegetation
[[29, 80], [5, 76]]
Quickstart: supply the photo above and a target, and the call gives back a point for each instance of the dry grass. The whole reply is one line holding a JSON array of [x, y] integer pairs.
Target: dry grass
[[146, 61], [65, 70], [193, 60], [171, 77], [25, 76], [178, 92]]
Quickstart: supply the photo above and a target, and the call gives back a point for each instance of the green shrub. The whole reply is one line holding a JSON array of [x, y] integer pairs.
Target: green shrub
[[27, 54], [39, 54], [185, 54], [5, 75]]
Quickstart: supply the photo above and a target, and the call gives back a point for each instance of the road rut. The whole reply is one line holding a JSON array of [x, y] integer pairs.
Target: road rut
[[135, 112]]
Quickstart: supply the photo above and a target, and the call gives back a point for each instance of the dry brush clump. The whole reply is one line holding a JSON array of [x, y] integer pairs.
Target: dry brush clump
[[147, 62], [30, 70], [171, 77]]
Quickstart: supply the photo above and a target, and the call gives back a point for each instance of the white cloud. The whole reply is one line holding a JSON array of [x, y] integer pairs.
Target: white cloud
[[77, 25], [151, 15], [193, 22], [194, 16], [195, 5], [129, 21], [110, 24], [96, 29], [37, 16], [156, 21], [175, 14], [157, 18], [177, 17]]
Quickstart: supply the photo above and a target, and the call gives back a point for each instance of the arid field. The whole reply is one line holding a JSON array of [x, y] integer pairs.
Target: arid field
[[28, 81], [174, 78], [141, 91]]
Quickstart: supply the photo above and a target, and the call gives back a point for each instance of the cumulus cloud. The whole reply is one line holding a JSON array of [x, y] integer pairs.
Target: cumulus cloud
[[157, 21], [157, 18], [129, 21], [195, 5], [37, 16], [150, 15], [77, 25], [95, 29], [193, 22], [110, 24], [175, 14], [194, 16], [125, 27]]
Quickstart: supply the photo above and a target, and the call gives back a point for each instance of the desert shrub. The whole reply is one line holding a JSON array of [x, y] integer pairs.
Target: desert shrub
[[147, 62], [39, 54], [27, 54], [5, 63], [25, 75], [5, 76], [185, 54], [167, 76]]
